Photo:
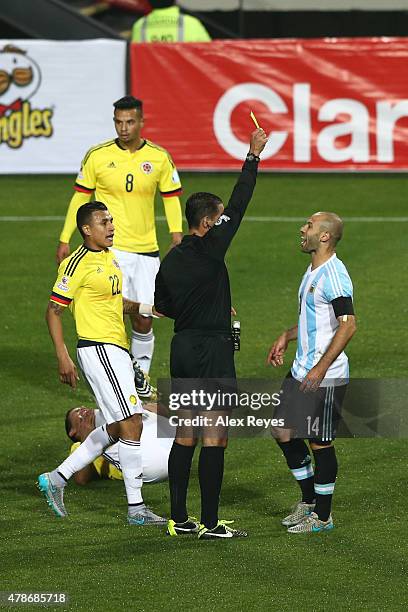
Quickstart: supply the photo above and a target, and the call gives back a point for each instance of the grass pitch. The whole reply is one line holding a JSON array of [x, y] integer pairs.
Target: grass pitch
[[105, 565]]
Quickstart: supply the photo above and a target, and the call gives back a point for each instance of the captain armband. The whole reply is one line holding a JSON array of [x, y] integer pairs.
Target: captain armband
[[343, 306]]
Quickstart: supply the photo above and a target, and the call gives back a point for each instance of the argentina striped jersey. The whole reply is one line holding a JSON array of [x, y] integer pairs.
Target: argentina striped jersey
[[317, 322]]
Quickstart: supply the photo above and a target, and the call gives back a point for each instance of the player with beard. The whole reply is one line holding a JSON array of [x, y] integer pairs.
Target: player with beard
[[315, 387]]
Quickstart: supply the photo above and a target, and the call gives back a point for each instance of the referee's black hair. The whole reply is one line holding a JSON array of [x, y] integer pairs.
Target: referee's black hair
[[84, 214], [127, 103], [68, 425], [200, 205]]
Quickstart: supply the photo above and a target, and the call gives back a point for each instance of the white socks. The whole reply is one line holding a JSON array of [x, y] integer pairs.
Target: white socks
[[88, 451], [130, 458], [142, 346]]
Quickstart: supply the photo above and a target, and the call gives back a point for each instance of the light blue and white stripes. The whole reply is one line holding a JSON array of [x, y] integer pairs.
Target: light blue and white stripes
[[303, 472], [338, 282], [324, 489], [317, 321]]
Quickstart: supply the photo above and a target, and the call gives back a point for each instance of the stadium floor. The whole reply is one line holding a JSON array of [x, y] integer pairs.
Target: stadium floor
[[105, 565]]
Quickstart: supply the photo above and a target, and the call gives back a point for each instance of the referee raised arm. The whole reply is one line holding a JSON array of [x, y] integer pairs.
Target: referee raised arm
[[192, 287]]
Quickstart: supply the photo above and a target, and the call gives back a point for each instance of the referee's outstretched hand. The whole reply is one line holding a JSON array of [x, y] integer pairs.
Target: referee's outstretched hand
[[258, 141]]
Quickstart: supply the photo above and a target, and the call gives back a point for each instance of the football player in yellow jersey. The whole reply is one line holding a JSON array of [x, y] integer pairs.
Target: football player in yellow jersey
[[125, 174], [155, 444], [90, 283]]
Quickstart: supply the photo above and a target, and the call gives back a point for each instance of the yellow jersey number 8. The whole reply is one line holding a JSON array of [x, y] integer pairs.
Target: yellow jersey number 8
[[129, 183]]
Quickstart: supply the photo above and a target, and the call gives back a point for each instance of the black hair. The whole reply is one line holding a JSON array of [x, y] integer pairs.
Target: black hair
[[68, 426], [158, 4], [200, 205], [127, 103], [84, 214]]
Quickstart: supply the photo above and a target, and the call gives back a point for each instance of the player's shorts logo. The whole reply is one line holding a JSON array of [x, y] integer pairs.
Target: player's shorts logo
[[133, 399], [20, 79], [115, 263], [146, 167]]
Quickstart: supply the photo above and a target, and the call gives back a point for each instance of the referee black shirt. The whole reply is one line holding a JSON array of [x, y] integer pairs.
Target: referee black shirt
[[192, 285]]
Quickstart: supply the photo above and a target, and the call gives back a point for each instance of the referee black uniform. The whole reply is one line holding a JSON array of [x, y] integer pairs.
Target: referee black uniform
[[193, 288]]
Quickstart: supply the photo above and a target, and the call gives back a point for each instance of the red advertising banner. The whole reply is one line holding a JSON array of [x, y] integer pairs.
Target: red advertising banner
[[326, 104]]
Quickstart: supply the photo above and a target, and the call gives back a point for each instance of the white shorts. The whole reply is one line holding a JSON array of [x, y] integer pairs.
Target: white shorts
[[109, 372], [139, 275], [155, 449]]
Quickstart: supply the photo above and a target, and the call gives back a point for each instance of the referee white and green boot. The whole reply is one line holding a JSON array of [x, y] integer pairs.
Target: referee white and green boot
[[221, 530], [300, 511], [191, 525], [312, 524], [53, 494]]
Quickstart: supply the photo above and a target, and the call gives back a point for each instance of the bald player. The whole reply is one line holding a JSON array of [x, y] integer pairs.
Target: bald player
[[313, 391]]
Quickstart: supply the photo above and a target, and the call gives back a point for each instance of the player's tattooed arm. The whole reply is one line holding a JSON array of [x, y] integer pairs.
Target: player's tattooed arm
[[66, 368], [130, 307], [58, 310], [148, 310]]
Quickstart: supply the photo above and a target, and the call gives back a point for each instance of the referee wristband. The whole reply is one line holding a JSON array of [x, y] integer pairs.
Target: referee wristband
[[252, 157], [146, 309]]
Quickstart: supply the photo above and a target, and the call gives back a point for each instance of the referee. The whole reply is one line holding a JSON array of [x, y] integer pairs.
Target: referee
[[192, 287]]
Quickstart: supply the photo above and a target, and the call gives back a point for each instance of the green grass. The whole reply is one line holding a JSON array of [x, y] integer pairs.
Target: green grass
[[105, 565]]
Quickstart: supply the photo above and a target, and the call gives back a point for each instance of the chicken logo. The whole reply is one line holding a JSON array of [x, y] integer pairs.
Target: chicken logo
[[20, 79]]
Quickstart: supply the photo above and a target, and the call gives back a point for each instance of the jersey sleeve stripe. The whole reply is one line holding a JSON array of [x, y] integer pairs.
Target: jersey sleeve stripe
[[60, 299], [102, 145], [335, 278], [333, 288], [171, 194], [83, 189]]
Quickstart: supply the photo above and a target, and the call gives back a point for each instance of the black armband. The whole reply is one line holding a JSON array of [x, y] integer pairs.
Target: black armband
[[343, 306]]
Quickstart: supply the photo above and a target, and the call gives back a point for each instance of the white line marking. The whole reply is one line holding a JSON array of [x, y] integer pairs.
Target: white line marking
[[251, 219], [32, 218]]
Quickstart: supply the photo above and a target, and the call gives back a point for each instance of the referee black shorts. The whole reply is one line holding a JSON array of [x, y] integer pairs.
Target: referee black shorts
[[198, 354], [204, 361], [313, 415]]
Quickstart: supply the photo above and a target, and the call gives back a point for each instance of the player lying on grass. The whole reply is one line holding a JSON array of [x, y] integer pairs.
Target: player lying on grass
[[155, 444], [90, 283], [313, 391]]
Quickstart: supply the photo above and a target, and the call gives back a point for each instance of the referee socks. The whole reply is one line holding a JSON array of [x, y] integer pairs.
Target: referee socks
[[300, 464], [210, 473], [180, 459]]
